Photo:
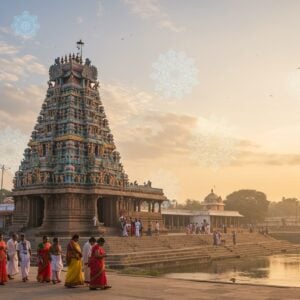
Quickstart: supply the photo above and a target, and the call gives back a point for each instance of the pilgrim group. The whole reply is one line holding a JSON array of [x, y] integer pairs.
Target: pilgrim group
[[86, 267]]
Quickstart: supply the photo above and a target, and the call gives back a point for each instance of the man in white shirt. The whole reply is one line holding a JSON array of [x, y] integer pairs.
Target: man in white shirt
[[137, 226], [12, 264], [95, 221], [24, 254], [86, 254], [157, 228]]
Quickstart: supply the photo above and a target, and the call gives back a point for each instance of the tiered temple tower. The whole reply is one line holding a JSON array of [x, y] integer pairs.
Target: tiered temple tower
[[71, 170]]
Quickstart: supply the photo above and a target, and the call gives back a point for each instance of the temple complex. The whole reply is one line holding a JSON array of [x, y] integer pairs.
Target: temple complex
[[212, 212], [71, 171]]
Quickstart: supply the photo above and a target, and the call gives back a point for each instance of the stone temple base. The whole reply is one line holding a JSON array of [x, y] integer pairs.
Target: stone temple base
[[56, 215]]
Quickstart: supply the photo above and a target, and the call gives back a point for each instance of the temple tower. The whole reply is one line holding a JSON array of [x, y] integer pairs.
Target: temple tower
[[71, 170]]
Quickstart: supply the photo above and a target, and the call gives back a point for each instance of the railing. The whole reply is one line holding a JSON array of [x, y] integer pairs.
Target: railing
[[140, 188]]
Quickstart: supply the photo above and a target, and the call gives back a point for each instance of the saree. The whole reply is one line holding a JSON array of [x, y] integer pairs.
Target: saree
[[74, 274], [3, 272], [97, 266], [44, 263]]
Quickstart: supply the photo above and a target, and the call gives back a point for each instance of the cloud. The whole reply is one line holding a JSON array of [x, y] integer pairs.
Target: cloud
[[19, 107], [79, 20], [13, 143], [151, 9], [270, 159], [5, 30], [13, 66], [100, 8], [142, 130], [7, 49]]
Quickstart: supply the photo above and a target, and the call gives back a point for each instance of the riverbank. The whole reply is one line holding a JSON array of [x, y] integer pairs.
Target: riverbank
[[135, 287]]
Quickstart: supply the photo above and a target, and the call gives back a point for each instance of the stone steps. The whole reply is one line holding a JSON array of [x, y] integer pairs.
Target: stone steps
[[170, 250]]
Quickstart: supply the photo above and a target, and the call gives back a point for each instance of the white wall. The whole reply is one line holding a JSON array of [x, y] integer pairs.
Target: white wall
[[200, 219]]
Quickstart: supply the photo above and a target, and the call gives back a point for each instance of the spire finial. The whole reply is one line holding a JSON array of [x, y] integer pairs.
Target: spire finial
[[80, 44]]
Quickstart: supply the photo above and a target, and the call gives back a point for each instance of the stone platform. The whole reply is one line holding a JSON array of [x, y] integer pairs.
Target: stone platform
[[145, 288]]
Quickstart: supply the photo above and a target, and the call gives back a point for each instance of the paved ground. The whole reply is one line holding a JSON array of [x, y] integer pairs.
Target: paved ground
[[129, 287]]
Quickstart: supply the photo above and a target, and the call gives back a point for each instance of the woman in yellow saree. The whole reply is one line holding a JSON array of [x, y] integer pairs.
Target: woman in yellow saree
[[74, 275]]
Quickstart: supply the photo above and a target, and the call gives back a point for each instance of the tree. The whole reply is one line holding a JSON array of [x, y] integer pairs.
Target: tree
[[189, 204], [287, 207], [192, 204], [3, 194], [252, 204]]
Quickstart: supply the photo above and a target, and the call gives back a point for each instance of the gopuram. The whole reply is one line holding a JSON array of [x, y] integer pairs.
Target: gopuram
[[71, 171]]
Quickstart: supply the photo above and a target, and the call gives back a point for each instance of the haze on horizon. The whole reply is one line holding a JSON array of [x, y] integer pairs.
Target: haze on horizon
[[231, 122]]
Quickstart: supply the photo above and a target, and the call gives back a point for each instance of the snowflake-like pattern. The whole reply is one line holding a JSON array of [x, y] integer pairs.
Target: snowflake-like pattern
[[213, 145], [13, 143], [25, 25], [174, 74]]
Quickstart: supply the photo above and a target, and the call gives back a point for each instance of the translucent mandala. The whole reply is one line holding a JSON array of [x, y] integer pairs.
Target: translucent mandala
[[13, 142], [25, 25], [213, 145], [174, 74]]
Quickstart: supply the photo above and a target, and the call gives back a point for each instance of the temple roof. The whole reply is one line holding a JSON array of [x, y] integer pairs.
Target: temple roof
[[212, 198], [182, 212]]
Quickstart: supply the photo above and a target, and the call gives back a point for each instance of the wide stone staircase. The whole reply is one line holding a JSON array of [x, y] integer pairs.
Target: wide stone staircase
[[190, 249], [178, 249]]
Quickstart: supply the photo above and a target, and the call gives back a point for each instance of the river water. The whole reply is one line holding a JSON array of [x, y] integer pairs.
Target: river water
[[278, 270]]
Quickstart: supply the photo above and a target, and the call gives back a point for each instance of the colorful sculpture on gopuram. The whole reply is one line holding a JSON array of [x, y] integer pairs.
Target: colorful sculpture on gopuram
[[71, 178]]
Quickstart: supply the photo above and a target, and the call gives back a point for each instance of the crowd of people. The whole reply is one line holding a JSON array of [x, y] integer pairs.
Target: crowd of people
[[134, 227], [84, 267], [202, 228]]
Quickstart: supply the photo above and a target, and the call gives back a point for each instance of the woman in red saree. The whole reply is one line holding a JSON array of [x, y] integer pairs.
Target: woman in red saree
[[44, 261], [97, 266], [3, 253]]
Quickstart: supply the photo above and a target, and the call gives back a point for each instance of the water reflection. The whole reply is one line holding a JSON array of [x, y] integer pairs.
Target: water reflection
[[280, 270]]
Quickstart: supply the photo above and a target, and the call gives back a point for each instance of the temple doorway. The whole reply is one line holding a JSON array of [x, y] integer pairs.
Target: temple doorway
[[100, 209], [36, 211], [107, 211]]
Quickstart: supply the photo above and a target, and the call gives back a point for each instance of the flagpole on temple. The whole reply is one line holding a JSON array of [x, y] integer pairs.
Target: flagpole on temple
[[80, 44]]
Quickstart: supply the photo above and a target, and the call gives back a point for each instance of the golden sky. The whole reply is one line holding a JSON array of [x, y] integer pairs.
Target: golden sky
[[199, 94]]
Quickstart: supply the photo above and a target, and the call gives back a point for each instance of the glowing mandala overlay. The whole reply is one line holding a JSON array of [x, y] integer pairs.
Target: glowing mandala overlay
[[174, 74], [25, 25], [13, 143], [213, 145]]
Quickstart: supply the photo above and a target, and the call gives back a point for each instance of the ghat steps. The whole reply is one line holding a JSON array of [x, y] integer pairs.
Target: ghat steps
[[170, 250]]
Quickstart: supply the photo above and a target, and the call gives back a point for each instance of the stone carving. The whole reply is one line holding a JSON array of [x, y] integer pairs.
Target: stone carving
[[55, 72], [90, 72], [71, 146]]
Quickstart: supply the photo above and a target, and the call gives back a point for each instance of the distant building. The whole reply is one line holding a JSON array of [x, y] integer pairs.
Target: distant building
[[212, 202], [212, 212], [6, 213]]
